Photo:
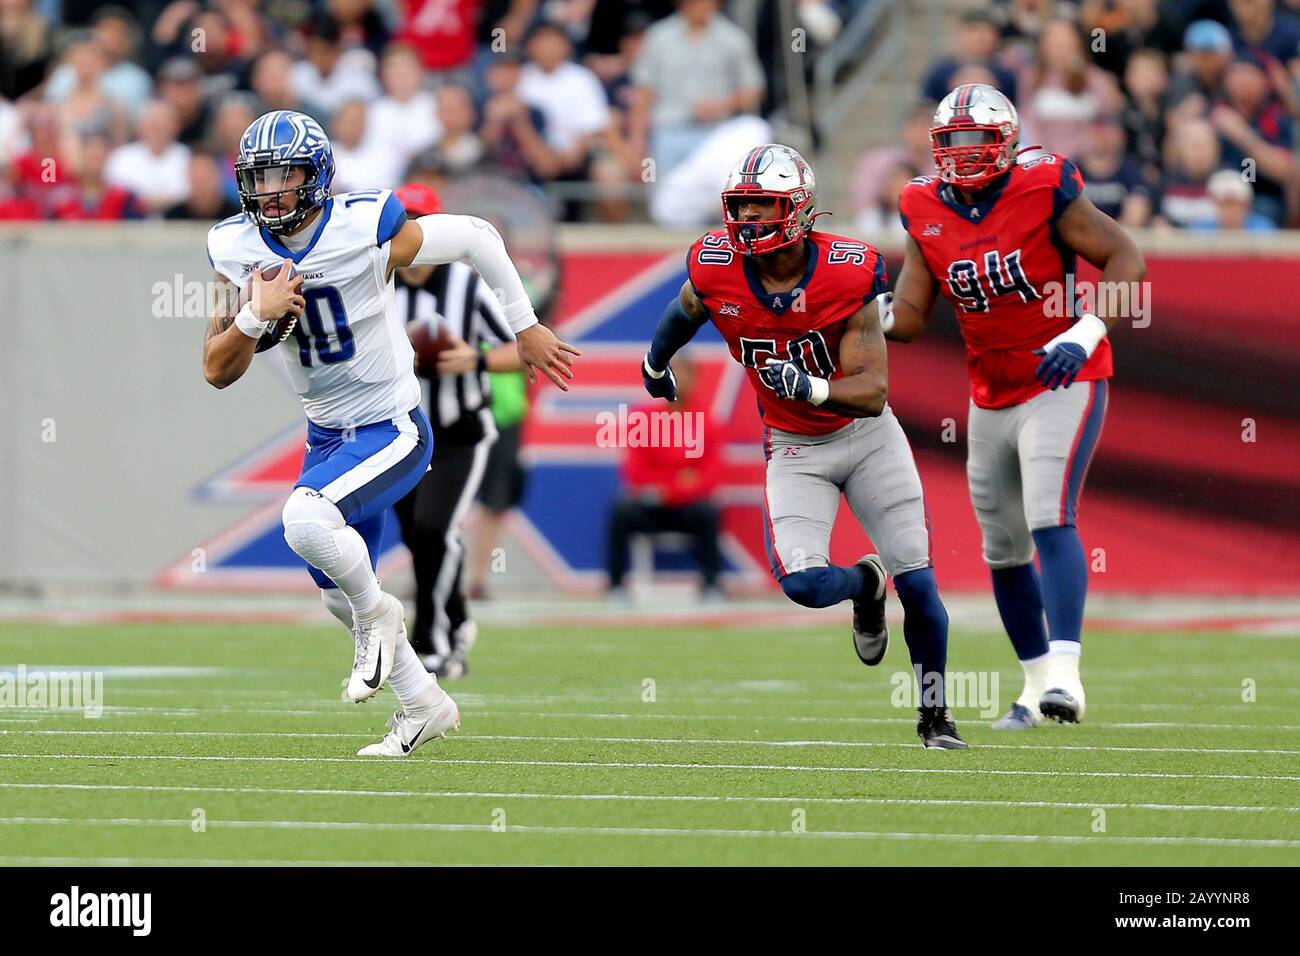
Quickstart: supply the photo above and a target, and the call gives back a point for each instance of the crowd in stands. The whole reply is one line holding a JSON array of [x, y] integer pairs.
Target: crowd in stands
[[134, 109], [1180, 113]]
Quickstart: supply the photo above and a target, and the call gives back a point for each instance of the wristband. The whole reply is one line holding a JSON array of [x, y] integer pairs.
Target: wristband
[[482, 361], [250, 324], [818, 390], [1088, 332], [645, 364]]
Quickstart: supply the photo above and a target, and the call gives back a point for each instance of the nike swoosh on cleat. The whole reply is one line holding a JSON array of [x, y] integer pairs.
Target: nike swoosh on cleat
[[379, 666], [406, 748]]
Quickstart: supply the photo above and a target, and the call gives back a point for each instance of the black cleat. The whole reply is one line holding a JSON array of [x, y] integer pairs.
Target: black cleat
[[870, 632], [937, 731]]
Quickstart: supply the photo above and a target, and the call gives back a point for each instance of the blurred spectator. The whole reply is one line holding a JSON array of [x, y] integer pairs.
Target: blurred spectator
[[405, 118], [13, 138], [1063, 91], [233, 114], [114, 35], [877, 169], [670, 488], [1255, 133], [208, 200], [95, 198], [696, 71], [331, 75], [155, 167], [43, 173], [1146, 87], [1112, 179], [1192, 157], [459, 144], [1233, 200], [441, 31], [1208, 48], [878, 212], [26, 48], [361, 161], [84, 106], [272, 80], [978, 42], [513, 132], [206, 36], [1259, 27], [360, 24], [1129, 25], [1023, 23], [688, 195], [569, 97], [178, 84]]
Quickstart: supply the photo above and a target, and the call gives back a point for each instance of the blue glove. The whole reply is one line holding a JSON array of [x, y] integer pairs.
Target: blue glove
[[1060, 364], [787, 379], [663, 386]]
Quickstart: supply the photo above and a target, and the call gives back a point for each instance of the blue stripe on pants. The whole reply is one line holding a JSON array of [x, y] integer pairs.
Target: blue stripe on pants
[[334, 453]]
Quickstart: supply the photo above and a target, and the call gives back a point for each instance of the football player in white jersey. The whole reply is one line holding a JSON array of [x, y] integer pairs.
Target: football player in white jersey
[[350, 361]]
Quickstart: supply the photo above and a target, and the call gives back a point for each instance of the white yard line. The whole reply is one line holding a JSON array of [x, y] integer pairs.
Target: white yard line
[[670, 741], [413, 826], [904, 715], [646, 797], [654, 765]]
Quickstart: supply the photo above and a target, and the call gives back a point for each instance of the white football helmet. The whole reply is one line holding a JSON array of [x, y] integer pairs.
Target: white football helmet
[[774, 172], [975, 135]]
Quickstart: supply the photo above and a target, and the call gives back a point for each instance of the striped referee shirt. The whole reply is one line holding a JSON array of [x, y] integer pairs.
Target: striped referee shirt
[[455, 298]]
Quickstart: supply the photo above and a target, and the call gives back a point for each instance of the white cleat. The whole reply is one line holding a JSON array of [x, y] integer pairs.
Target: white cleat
[[376, 647], [1063, 699], [408, 731], [1065, 704]]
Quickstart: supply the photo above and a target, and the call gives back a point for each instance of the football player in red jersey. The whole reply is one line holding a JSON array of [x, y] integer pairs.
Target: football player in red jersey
[[998, 234], [798, 310]]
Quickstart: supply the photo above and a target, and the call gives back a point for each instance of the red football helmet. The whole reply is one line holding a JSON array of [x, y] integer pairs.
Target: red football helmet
[[770, 172], [975, 135]]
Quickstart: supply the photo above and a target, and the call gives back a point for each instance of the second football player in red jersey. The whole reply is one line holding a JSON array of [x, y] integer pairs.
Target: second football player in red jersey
[[798, 310], [998, 234]]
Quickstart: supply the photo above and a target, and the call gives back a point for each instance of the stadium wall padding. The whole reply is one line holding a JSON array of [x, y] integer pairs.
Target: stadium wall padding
[[119, 460]]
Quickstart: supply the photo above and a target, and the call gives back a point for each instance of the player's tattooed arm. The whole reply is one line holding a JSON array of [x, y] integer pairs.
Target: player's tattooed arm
[[227, 352], [1104, 243], [227, 348], [862, 391], [914, 296]]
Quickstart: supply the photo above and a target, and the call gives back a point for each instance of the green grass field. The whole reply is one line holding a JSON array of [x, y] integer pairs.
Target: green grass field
[[561, 760]]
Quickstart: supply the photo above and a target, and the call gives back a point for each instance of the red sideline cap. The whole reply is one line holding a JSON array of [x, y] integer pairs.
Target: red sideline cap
[[418, 199]]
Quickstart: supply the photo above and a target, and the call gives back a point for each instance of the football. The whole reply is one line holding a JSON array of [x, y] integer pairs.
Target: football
[[429, 339], [283, 326]]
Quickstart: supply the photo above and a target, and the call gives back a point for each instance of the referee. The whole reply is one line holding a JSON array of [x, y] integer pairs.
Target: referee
[[459, 305]]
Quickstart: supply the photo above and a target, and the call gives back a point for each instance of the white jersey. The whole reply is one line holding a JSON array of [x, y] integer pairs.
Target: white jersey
[[348, 358]]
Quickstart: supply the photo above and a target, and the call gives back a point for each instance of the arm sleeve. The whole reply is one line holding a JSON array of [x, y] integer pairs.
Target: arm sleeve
[[493, 328], [448, 238], [674, 330]]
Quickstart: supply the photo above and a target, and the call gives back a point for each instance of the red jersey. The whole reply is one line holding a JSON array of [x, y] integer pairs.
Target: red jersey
[[1000, 265], [804, 325]]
